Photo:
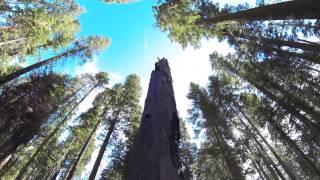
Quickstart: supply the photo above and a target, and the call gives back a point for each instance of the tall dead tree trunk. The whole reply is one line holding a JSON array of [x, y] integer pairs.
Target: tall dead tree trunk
[[156, 147]]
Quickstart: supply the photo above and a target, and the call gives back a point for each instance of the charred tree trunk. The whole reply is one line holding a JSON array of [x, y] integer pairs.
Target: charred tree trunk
[[156, 147]]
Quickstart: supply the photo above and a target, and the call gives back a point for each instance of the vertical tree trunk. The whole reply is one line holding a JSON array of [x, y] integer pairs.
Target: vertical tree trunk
[[297, 9], [268, 161], [31, 173], [231, 162], [65, 174], [288, 107], [293, 146], [257, 165], [47, 139], [102, 150], [55, 170], [156, 147], [287, 169], [288, 95], [83, 148], [275, 167], [260, 170]]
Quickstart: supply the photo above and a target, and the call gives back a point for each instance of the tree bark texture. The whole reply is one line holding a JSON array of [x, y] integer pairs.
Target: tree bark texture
[[297, 9], [156, 147]]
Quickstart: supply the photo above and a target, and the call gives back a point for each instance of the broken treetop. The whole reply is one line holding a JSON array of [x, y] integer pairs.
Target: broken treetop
[[157, 146]]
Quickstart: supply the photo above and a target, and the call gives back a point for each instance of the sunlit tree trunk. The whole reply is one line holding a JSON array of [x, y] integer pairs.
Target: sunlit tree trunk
[[287, 169], [290, 98], [57, 167], [5, 161], [83, 148], [12, 41], [288, 107], [305, 57], [263, 175], [231, 162], [295, 148], [103, 148]]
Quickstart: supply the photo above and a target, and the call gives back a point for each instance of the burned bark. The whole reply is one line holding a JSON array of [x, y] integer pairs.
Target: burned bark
[[156, 147]]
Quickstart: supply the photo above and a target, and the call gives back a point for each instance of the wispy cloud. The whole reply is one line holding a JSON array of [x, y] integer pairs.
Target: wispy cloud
[[145, 42], [90, 67], [115, 77]]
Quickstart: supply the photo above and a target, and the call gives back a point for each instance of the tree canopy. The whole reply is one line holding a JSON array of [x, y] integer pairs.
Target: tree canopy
[[257, 117]]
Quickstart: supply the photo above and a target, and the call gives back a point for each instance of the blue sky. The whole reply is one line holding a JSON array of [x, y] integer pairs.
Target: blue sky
[[131, 28], [136, 44]]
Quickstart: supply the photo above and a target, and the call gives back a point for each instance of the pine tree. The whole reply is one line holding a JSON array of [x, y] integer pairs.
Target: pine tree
[[33, 26], [123, 101], [83, 49], [100, 80], [40, 97]]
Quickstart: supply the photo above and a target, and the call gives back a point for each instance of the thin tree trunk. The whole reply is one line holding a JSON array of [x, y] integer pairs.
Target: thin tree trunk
[[67, 171], [103, 149], [231, 163], [12, 41], [155, 155], [5, 161], [275, 167], [309, 42], [267, 162], [53, 133], [260, 170], [291, 44], [55, 175], [80, 154], [267, 159], [285, 54], [280, 42], [31, 173], [8, 166], [295, 89], [285, 62], [282, 163], [288, 107], [290, 98], [56, 169], [257, 165], [32, 67], [288, 141], [297, 9]]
